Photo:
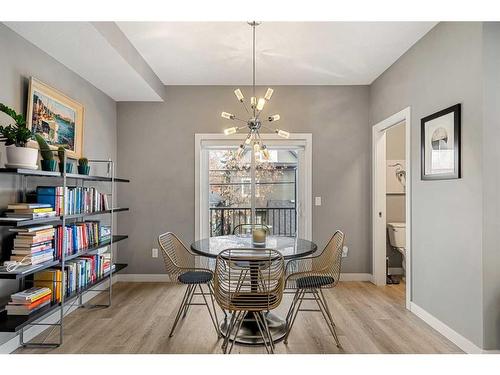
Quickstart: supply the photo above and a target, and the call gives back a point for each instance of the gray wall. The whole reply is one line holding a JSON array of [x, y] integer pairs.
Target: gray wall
[[156, 150], [491, 185], [19, 61], [442, 69]]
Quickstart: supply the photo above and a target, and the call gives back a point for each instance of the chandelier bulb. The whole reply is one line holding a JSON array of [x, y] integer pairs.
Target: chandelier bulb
[[269, 93], [256, 147], [239, 95], [275, 117], [226, 115], [265, 152], [240, 151], [260, 104], [253, 101], [249, 139], [230, 131], [283, 133]]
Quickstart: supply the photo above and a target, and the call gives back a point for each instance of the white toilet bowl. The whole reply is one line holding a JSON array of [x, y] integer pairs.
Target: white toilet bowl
[[397, 239]]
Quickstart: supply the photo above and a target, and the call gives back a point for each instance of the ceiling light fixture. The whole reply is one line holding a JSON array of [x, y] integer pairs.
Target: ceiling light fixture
[[254, 123]]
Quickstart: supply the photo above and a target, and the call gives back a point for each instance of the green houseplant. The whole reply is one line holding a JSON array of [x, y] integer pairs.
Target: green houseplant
[[16, 136], [83, 166], [48, 163], [61, 151]]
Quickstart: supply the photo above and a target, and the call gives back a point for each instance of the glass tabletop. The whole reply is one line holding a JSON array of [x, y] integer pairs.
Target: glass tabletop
[[289, 247]]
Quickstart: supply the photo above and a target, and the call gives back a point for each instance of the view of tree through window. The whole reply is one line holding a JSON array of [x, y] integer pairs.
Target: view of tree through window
[[230, 191]]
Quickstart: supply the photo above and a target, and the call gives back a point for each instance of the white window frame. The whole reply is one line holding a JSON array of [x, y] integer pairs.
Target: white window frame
[[206, 141]]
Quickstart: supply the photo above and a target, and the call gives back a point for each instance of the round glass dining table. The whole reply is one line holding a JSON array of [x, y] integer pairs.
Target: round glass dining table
[[289, 247]]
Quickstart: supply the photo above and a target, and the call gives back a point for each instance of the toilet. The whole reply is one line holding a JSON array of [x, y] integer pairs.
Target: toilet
[[397, 239]]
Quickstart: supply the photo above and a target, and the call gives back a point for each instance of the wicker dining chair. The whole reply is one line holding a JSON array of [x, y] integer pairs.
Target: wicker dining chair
[[310, 276], [247, 228], [180, 266], [248, 282]]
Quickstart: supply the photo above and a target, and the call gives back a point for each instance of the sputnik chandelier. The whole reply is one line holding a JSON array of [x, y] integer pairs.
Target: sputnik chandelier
[[254, 123]]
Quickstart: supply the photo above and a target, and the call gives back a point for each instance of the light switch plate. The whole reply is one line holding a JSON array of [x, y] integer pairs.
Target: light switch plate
[[154, 253], [345, 250], [317, 201]]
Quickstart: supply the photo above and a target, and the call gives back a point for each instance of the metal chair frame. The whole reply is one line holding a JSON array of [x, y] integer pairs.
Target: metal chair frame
[[326, 264], [237, 229], [179, 260], [242, 288]]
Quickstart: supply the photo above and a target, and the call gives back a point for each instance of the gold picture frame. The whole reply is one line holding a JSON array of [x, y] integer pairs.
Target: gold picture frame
[[57, 117]]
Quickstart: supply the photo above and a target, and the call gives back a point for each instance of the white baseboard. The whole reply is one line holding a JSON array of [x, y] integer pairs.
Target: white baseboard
[[30, 333], [162, 278], [356, 277], [143, 278], [452, 335]]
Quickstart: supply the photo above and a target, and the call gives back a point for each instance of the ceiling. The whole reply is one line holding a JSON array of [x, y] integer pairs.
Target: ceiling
[[132, 61], [288, 53]]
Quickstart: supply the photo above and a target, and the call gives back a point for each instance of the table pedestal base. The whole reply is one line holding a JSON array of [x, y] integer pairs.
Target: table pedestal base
[[249, 333]]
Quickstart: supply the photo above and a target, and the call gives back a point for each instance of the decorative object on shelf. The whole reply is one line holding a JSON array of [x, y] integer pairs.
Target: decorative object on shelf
[[48, 163], [254, 123], [83, 166], [56, 117], [16, 136], [441, 145], [259, 237], [61, 154]]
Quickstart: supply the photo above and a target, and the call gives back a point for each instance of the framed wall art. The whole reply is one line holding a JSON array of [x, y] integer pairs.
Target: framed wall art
[[441, 144]]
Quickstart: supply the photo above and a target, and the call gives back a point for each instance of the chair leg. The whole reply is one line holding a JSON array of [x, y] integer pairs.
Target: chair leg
[[210, 311], [241, 316], [323, 300], [188, 304], [210, 289], [268, 332], [257, 321], [181, 307], [292, 306], [329, 323], [228, 333], [294, 315]]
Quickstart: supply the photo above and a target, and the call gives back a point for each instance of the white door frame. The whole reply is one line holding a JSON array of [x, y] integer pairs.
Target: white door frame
[[206, 141], [379, 166]]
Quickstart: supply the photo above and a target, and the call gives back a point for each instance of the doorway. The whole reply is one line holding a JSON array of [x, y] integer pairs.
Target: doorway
[[391, 183]]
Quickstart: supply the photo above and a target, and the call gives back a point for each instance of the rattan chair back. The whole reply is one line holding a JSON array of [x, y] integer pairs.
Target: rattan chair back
[[330, 261], [176, 257], [249, 279]]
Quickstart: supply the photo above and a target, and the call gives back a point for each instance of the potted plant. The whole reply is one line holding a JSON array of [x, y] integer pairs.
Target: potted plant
[[48, 163], [83, 166], [16, 136], [61, 151]]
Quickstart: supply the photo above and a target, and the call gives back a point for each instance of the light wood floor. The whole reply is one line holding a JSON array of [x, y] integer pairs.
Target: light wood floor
[[370, 319]]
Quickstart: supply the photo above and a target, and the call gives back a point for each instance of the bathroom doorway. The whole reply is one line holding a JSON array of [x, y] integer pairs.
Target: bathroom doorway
[[391, 202]]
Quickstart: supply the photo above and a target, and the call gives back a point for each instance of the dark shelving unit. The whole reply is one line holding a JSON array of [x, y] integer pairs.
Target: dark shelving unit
[[17, 323]]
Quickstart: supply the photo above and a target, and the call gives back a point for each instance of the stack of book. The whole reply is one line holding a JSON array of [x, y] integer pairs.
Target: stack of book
[[73, 200], [29, 301], [79, 236], [50, 278], [33, 245], [30, 210], [79, 273]]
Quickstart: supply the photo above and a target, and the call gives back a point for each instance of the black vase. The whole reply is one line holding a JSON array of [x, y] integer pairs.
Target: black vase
[[69, 167], [49, 165], [84, 169]]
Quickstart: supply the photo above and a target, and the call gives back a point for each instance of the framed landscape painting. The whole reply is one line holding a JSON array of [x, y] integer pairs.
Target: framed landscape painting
[[441, 144], [56, 117]]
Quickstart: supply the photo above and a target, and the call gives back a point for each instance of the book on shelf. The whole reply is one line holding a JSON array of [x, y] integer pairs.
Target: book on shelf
[[28, 206], [31, 231], [29, 301], [34, 246], [79, 274], [79, 236], [73, 200], [33, 215]]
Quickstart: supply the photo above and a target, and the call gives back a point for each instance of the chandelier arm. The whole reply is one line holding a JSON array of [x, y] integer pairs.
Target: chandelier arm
[[266, 127], [245, 106], [238, 119]]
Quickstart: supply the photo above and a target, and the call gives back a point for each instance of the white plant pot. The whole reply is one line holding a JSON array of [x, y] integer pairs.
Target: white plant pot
[[22, 156]]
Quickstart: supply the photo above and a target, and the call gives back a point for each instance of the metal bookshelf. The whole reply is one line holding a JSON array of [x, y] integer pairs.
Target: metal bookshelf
[[17, 323]]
